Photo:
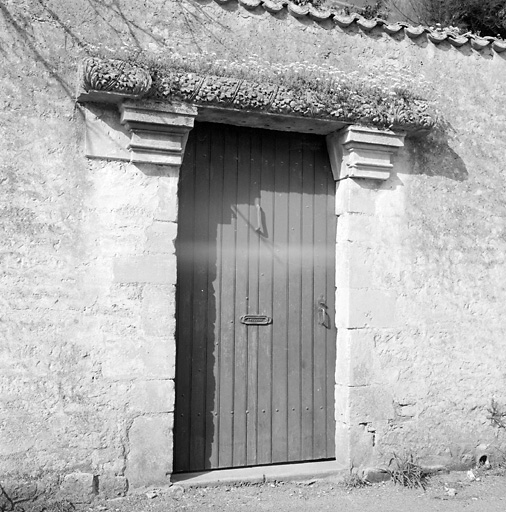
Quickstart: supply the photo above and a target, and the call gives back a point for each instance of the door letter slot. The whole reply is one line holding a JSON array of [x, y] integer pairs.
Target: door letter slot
[[256, 320]]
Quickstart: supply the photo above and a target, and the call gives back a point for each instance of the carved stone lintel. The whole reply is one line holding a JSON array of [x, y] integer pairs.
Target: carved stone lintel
[[158, 131], [360, 152]]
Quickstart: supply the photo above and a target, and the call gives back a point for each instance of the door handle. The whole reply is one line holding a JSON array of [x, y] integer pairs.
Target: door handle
[[259, 216], [323, 316]]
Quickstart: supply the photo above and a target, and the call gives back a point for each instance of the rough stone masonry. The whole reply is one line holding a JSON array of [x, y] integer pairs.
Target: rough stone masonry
[[88, 270]]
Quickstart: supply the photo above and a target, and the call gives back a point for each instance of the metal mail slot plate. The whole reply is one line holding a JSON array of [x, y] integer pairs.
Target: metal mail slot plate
[[256, 320]]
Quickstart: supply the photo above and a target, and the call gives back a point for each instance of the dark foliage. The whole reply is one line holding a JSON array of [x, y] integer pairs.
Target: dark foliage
[[482, 17], [369, 11]]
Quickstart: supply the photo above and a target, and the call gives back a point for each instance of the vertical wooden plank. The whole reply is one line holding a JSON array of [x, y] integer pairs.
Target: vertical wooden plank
[[320, 291], [265, 294], [253, 297], [241, 297], [308, 309], [294, 266], [243, 406], [228, 312], [200, 296], [331, 297], [280, 302], [184, 301], [212, 390]]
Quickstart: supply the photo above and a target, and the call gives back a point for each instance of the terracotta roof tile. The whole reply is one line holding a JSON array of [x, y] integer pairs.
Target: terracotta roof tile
[[435, 36]]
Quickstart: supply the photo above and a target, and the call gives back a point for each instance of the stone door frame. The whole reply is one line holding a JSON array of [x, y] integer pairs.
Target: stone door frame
[[154, 134]]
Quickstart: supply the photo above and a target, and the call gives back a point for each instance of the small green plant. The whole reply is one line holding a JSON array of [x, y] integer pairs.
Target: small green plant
[[405, 471], [377, 9], [354, 481], [497, 416]]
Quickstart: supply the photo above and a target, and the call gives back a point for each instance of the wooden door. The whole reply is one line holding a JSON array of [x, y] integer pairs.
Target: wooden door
[[256, 236]]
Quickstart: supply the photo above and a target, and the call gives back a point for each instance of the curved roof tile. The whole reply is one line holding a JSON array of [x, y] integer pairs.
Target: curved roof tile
[[435, 36], [298, 11], [318, 14]]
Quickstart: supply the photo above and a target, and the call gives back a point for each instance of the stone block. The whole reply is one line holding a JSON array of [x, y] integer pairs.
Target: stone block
[[152, 396], [159, 359], [361, 446], [364, 367], [354, 227], [342, 404], [156, 269], [356, 196], [167, 198], [106, 137], [151, 358], [342, 440], [365, 308], [343, 357], [149, 459], [159, 131], [79, 487], [368, 404], [112, 486], [355, 264], [361, 152], [19, 490], [160, 237], [158, 309], [375, 475], [176, 492], [356, 364]]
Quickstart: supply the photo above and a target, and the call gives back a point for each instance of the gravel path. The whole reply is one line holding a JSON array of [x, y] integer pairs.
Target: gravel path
[[452, 492]]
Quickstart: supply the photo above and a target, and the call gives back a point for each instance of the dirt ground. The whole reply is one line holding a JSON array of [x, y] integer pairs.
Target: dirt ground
[[449, 492]]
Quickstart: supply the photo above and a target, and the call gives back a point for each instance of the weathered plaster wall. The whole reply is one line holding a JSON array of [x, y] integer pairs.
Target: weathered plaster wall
[[88, 266], [87, 280]]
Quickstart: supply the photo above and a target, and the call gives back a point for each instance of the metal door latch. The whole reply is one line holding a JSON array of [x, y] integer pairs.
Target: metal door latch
[[323, 317]]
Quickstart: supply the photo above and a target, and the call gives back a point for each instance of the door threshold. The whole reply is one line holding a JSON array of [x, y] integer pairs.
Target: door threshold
[[260, 474]]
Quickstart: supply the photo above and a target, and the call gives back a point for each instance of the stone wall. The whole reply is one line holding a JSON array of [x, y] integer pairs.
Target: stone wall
[[88, 265]]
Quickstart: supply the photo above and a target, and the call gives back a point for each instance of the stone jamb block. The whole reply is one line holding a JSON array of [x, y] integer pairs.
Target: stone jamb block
[[361, 152], [362, 308], [158, 131], [356, 363], [146, 132], [149, 459], [152, 396], [148, 268], [369, 404], [356, 196]]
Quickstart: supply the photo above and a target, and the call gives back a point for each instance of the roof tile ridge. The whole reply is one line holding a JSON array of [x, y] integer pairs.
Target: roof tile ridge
[[345, 20], [250, 4], [435, 35], [318, 14], [296, 10], [273, 6]]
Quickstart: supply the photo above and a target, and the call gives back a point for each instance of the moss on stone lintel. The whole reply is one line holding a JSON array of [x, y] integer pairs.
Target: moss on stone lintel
[[360, 106]]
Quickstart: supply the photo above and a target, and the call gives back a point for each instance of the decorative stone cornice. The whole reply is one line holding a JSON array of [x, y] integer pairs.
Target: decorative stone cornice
[[158, 131], [113, 81], [361, 152], [114, 76]]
